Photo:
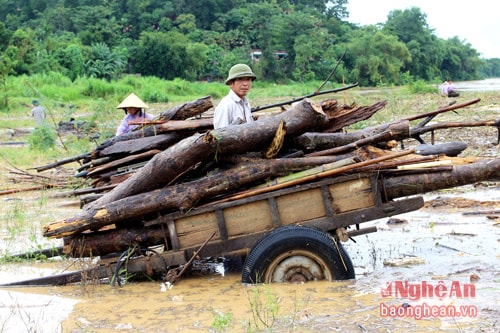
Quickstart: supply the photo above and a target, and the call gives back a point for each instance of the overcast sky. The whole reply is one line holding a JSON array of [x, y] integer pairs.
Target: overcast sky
[[476, 22]]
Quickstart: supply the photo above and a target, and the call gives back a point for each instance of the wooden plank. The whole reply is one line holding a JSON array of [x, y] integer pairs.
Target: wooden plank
[[275, 215], [194, 230], [327, 200], [301, 206], [221, 222], [352, 195], [246, 219]]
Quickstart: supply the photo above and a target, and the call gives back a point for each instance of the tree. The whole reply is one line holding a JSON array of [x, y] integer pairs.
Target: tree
[[161, 54], [104, 63], [95, 24], [375, 57], [490, 67], [54, 29], [22, 51], [411, 28], [196, 57], [460, 61], [71, 59], [313, 55]]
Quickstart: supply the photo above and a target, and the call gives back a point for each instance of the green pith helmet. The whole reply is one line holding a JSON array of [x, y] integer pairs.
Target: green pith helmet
[[238, 71]]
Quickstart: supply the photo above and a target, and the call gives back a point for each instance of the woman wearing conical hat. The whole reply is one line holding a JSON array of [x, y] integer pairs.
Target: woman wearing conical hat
[[135, 111]]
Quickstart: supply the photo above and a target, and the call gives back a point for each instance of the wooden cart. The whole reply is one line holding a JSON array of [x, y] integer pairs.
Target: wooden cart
[[287, 235], [291, 234]]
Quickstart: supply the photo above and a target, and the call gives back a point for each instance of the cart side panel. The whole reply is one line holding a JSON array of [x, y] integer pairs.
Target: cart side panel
[[352, 195], [192, 230], [248, 218], [301, 206]]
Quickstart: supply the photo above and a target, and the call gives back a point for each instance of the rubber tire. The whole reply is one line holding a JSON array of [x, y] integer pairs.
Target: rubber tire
[[281, 244]]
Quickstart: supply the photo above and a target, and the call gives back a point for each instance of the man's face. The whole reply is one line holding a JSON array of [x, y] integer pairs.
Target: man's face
[[241, 86]]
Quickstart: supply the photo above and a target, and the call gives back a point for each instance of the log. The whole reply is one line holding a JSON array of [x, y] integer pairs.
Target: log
[[191, 125], [134, 146], [113, 241], [415, 132], [181, 196], [402, 186], [77, 159], [384, 136], [443, 109], [448, 149], [83, 191], [342, 117], [187, 110], [322, 141], [123, 161], [166, 166], [385, 166], [26, 189], [95, 162]]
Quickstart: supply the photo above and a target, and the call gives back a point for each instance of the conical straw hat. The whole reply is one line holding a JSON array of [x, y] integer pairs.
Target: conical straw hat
[[132, 101]]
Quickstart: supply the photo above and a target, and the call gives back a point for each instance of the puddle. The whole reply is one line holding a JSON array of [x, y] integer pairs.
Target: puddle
[[32, 312]]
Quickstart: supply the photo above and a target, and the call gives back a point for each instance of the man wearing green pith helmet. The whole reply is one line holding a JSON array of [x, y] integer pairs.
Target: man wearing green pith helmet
[[234, 108]]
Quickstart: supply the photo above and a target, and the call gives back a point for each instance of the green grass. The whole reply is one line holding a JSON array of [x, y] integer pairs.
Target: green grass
[[94, 102]]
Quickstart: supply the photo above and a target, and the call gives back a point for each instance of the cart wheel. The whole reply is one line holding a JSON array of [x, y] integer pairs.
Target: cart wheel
[[297, 254]]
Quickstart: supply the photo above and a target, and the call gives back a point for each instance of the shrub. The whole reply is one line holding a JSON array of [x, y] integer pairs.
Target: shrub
[[42, 138], [421, 87]]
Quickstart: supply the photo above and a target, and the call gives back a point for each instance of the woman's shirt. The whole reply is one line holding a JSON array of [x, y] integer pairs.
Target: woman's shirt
[[125, 127]]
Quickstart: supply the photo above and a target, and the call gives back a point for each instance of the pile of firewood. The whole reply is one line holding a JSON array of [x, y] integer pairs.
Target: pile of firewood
[[178, 161]]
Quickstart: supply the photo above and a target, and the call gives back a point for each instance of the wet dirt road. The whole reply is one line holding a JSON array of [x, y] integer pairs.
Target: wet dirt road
[[438, 248]]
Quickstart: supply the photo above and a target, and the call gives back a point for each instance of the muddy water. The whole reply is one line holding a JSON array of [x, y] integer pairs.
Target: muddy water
[[438, 245]]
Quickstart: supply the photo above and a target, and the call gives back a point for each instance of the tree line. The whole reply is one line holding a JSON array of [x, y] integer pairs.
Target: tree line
[[295, 40]]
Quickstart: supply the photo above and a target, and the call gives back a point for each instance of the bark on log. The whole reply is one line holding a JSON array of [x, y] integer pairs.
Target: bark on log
[[113, 241], [134, 146], [415, 132], [384, 136], [123, 161], [184, 125], [402, 186], [443, 109], [448, 149], [180, 196], [187, 110], [77, 159], [342, 117], [322, 141], [166, 166]]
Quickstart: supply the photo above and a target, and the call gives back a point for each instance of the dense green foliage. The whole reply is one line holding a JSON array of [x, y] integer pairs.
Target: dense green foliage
[[299, 40]]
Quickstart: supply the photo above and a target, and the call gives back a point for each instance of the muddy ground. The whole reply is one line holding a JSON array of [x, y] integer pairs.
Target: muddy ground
[[451, 244], [445, 243]]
